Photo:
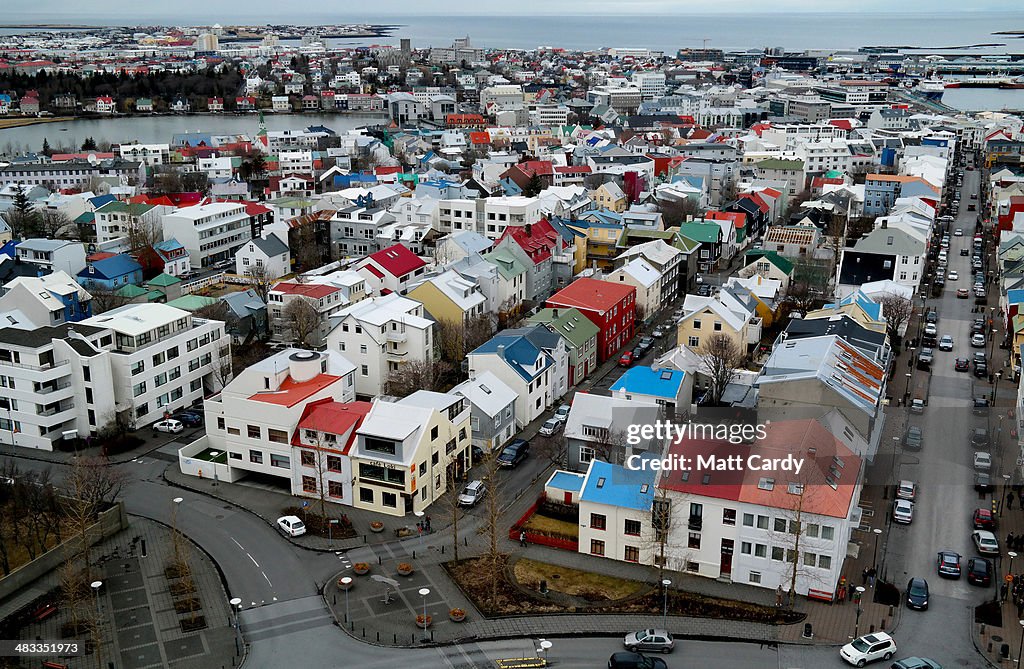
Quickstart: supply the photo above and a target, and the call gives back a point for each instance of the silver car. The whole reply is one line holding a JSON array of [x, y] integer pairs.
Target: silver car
[[650, 639], [472, 493]]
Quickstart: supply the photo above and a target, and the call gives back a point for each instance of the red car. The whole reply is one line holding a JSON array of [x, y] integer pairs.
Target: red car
[[962, 365], [626, 359], [983, 520]]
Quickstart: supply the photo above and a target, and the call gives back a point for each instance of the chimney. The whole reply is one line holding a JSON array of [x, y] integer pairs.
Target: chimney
[[501, 351], [885, 224], [554, 313]]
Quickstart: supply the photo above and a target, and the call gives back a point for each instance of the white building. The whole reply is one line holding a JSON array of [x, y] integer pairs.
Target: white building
[[150, 154], [292, 324], [267, 256], [52, 299], [211, 232]]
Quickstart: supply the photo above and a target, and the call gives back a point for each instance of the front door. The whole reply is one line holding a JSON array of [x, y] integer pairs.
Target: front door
[[567, 498], [727, 545]]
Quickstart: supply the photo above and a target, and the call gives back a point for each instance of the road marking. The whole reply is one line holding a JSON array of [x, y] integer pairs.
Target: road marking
[[265, 576], [254, 561], [249, 556]]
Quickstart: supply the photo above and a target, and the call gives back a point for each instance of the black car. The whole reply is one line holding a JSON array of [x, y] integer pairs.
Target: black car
[[980, 407], [189, 418], [932, 316], [514, 453], [980, 370], [964, 252], [704, 290], [979, 437], [978, 325], [983, 482], [979, 571], [628, 660], [917, 594]]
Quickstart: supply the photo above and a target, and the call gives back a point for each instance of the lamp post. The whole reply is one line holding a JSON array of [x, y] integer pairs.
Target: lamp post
[[874, 561], [991, 331], [860, 595], [893, 482], [545, 646], [236, 603], [330, 531], [664, 608], [1021, 648], [1002, 499], [910, 378], [347, 582], [995, 388], [1009, 569], [423, 593], [96, 585], [419, 523]]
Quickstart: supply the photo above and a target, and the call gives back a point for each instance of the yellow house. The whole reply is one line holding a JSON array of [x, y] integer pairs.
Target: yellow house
[[609, 196], [705, 317], [450, 297], [602, 240]]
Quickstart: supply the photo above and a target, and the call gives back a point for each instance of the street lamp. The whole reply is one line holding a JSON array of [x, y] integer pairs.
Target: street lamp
[[860, 595], [1006, 482], [664, 609], [874, 561], [347, 582], [236, 604], [1021, 648], [545, 646], [1009, 569], [423, 593], [995, 388], [96, 585], [910, 378], [895, 450], [420, 514], [330, 531]]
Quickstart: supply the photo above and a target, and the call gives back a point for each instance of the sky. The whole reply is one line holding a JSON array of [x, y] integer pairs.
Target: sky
[[306, 11]]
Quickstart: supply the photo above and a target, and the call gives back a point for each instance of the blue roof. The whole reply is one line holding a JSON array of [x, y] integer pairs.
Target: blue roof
[[566, 481], [101, 200], [519, 351], [169, 245], [872, 308], [615, 485], [663, 383], [112, 267], [8, 249], [1015, 296]]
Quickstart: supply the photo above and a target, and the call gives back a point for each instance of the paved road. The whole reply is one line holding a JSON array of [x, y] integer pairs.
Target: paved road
[[943, 471]]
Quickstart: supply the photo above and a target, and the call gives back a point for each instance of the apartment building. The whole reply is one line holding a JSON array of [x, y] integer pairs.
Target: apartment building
[[379, 335], [303, 327], [211, 232], [74, 173], [488, 216], [132, 222], [149, 154]]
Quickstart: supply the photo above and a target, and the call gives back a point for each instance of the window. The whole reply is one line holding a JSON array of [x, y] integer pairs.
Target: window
[[696, 324], [364, 370], [598, 521], [778, 553], [235, 456], [253, 431], [748, 520], [277, 436], [333, 463], [754, 577], [138, 368], [694, 540], [760, 550], [746, 548], [256, 457], [389, 499], [138, 389], [308, 484], [379, 445], [281, 461], [366, 495], [631, 528], [586, 454], [596, 547], [824, 561], [307, 458], [234, 430], [160, 379], [794, 527], [810, 559], [780, 525], [828, 532], [812, 530], [728, 516], [335, 489], [631, 554], [762, 522]]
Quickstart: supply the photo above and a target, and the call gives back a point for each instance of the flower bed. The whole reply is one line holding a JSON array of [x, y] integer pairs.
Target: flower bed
[[457, 615], [376, 526], [424, 621], [361, 568], [404, 569]]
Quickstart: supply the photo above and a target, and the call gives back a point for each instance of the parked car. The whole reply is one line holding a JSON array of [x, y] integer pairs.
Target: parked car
[[977, 325], [562, 412], [982, 461], [962, 365], [985, 542], [979, 571], [914, 439], [931, 330], [472, 493], [626, 359], [514, 453], [291, 525], [946, 343], [658, 333], [868, 648], [980, 370], [189, 418], [907, 490], [915, 663], [949, 564], [983, 482], [931, 316], [550, 427], [978, 340], [630, 660], [982, 519], [963, 293], [979, 436], [645, 345], [169, 425], [917, 594], [903, 511], [981, 406], [650, 639], [925, 358]]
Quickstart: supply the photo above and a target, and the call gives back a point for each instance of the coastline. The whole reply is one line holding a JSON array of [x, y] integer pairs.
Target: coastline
[[21, 122]]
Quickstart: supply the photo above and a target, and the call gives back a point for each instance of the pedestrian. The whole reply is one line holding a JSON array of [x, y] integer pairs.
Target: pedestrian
[[871, 577], [428, 523], [778, 597], [522, 538], [1020, 608], [864, 576], [1020, 496]]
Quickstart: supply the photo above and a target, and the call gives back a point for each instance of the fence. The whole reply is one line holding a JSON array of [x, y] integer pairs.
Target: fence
[[541, 538]]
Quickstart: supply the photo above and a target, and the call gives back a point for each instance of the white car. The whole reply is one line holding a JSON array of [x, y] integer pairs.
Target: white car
[[291, 525], [868, 648], [907, 490], [550, 426], [958, 232], [953, 276], [978, 340], [903, 511], [472, 493], [169, 425], [946, 343], [982, 461], [563, 412], [985, 542]]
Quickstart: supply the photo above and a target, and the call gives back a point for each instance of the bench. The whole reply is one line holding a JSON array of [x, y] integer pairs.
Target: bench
[[522, 663], [43, 612], [54, 665], [820, 595]]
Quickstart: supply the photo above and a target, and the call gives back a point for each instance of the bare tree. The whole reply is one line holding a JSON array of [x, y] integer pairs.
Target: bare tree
[[897, 310], [492, 525], [416, 375], [836, 241], [304, 247], [55, 224], [450, 500], [674, 212], [793, 527], [455, 340], [105, 299], [721, 357], [303, 322], [142, 231], [261, 278]]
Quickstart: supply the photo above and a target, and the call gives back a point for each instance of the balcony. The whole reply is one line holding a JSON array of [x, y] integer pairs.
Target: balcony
[[397, 336], [37, 368]]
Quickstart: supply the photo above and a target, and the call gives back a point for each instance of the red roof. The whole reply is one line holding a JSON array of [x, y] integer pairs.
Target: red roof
[[842, 123], [100, 255], [64, 157], [538, 239], [758, 128], [332, 417], [291, 392], [313, 291], [739, 219], [479, 138], [573, 169], [770, 192], [538, 167], [591, 294], [397, 260]]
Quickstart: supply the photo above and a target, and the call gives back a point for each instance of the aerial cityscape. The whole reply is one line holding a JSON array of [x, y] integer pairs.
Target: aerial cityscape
[[511, 338]]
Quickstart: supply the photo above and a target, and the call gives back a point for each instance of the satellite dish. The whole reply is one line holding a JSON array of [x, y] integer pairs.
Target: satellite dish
[[92, 158]]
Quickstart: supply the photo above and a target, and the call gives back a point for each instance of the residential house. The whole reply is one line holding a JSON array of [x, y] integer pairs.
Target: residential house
[[52, 255], [48, 300], [305, 326], [669, 388], [732, 312], [609, 306], [264, 258], [521, 364], [596, 430], [450, 298], [580, 335], [492, 405], [391, 270], [610, 196], [769, 265]]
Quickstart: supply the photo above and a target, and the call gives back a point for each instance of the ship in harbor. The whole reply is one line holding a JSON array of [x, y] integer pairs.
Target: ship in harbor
[[931, 89], [987, 82]]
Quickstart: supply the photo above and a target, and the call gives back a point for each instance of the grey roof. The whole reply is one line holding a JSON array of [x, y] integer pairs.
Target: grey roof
[[271, 245], [44, 335], [243, 302]]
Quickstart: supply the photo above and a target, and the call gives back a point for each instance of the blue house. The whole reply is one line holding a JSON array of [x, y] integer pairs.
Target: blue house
[[111, 273], [670, 388]]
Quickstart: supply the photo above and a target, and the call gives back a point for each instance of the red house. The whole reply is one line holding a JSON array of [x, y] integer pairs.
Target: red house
[[609, 306]]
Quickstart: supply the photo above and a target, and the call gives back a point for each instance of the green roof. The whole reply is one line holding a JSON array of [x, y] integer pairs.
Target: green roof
[[163, 279], [779, 164], [508, 265], [773, 257], [131, 291], [699, 231], [571, 324], [192, 302], [85, 218], [137, 209], [155, 296], [834, 174]]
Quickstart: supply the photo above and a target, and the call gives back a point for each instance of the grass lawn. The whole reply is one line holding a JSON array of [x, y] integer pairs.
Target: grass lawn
[[221, 458], [573, 581], [549, 525]]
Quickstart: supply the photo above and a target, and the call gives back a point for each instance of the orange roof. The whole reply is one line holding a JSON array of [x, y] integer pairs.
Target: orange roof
[[292, 392]]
